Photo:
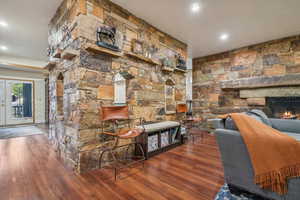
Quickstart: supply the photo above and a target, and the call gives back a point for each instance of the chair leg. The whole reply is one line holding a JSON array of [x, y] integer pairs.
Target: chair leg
[[143, 154], [187, 134], [115, 160], [100, 158], [143, 162], [115, 163], [116, 173], [141, 149], [127, 149], [110, 151], [193, 139]]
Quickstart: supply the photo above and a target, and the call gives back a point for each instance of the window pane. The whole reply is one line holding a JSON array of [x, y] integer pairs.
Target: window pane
[[21, 100]]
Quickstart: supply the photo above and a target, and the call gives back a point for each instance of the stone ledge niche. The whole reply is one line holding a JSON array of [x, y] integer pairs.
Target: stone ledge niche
[[88, 77]]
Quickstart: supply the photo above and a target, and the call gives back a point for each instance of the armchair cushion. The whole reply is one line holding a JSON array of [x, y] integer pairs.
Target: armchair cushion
[[216, 123], [261, 116], [286, 125], [159, 126]]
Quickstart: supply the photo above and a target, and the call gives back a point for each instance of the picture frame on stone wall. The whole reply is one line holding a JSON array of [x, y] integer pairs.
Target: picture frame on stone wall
[[169, 61], [89, 8], [170, 103], [149, 50], [137, 47]]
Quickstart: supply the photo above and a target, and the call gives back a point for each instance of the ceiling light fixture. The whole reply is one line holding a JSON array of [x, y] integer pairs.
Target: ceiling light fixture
[[3, 48], [195, 7], [224, 36], [3, 24]]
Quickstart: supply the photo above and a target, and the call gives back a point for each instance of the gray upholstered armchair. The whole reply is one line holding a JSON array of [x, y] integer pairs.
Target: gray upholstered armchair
[[236, 161]]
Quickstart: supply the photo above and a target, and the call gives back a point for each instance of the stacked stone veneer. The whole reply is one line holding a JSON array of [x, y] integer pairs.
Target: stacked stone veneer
[[241, 79], [88, 79]]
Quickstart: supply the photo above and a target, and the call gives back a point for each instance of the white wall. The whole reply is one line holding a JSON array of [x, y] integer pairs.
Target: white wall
[[40, 101], [189, 79]]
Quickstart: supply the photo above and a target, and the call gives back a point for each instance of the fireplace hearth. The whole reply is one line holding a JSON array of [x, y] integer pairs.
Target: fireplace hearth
[[283, 107]]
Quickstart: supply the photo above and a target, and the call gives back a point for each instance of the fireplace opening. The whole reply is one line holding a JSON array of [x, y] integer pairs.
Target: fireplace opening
[[284, 107]]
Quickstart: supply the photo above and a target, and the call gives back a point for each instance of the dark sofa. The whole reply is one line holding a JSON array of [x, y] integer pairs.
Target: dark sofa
[[236, 161]]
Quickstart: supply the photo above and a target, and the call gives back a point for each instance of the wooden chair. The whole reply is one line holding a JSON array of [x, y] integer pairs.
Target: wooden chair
[[118, 117], [189, 122]]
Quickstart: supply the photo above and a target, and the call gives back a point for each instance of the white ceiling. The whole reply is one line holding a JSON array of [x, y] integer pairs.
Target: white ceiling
[[246, 21], [26, 35]]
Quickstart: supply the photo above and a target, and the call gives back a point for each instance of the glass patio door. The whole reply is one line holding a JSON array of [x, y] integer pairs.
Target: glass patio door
[[2, 102], [19, 102]]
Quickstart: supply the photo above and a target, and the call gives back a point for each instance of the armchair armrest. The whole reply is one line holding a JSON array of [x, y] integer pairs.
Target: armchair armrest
[[216, 123], [286, 125]]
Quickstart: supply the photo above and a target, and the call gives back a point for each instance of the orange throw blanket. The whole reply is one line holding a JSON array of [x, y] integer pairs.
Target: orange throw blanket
[[275, 156]]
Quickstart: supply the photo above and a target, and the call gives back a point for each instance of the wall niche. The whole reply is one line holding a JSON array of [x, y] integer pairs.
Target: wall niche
[[60, 94]]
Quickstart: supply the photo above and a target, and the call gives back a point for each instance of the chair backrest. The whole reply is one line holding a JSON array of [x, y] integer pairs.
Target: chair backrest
[[114, 113], [181, 108]]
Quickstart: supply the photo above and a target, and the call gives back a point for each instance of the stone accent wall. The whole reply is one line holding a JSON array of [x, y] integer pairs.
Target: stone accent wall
[[241, 79], [88, 78]]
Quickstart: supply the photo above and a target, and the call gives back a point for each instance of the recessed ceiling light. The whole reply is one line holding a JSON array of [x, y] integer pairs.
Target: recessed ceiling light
[[195, 7], [3, 48], [3, 24], [224, 36]]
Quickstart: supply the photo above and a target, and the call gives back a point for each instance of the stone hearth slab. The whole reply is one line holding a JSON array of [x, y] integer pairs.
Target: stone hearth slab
[[262, 82], [270, 92]]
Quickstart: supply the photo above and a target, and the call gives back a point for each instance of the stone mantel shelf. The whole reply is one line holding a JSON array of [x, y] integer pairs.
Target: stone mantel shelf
[[100, 50], [143, 58], [69, 54], [180, 70], [167, 69], [262, 82], [171, 69], [57, 53], [50, 65]]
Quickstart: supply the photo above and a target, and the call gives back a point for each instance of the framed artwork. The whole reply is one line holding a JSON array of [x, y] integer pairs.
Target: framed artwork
[[89, 8], [137, 47], [170, 103], [169, 62]]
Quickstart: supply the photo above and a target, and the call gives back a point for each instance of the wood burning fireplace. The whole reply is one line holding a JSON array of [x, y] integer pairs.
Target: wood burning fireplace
[[283, 107]]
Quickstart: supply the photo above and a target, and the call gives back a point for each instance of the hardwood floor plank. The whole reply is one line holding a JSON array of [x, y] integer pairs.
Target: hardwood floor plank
[[31, 170]]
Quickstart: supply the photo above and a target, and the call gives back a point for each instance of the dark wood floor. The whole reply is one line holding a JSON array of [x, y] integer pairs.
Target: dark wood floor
[[29, 170]]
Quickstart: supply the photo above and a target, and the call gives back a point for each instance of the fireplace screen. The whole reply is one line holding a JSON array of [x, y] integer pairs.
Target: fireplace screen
[[284, 107]]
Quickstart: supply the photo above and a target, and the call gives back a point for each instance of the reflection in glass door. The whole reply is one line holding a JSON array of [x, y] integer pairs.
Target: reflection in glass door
[[19, 102]]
